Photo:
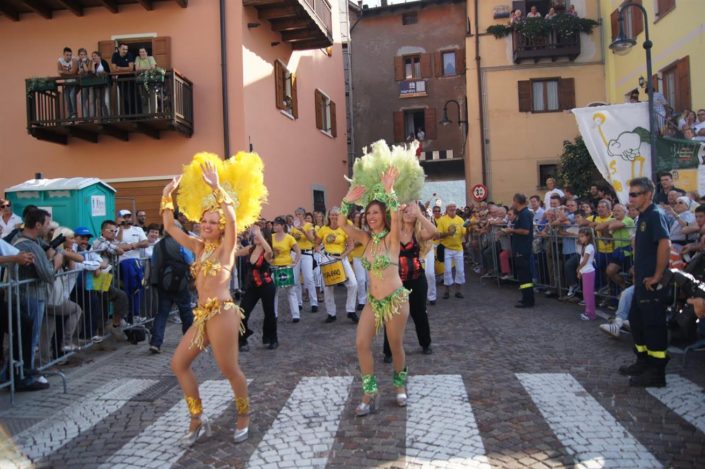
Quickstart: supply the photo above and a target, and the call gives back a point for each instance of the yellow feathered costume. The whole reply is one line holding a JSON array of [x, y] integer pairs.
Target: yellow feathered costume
[[241, 176]]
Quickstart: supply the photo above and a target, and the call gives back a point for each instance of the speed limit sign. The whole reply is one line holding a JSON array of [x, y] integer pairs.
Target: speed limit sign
[[479, 192]]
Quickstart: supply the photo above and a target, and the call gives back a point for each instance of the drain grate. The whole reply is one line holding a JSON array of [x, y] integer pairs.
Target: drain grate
[[157, 390]]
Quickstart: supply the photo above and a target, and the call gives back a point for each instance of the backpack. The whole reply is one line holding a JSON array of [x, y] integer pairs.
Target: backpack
[[174, 274]]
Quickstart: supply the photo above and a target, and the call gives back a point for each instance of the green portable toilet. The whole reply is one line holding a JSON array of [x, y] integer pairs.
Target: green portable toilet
[[72, 202]]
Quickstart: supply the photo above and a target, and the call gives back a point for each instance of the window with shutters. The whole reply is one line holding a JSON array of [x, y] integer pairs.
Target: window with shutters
[[546, 95], [409, 18], [157, 47], [325, 114], [664, 7], [417, 124], [285, 90], [448, 63], [633, 21], [675, 84], [412, 67]]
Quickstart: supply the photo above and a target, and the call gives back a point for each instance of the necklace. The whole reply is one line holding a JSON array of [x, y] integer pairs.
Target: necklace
[[209, 249], [377, 237]]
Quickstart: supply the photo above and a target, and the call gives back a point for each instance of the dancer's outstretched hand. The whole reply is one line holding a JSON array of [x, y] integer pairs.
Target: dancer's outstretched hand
[[210, 174], [169, 188], [389, 177], [354, 194]]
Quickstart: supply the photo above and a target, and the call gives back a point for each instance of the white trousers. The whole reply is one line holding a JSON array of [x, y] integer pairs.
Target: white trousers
[[449, 258], [361, 278], [305, 268], [431, 274], [350, 285], [290, 293]]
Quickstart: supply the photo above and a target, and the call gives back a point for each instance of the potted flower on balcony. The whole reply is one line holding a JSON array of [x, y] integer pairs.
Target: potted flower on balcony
[[151, 79], [40, 84]]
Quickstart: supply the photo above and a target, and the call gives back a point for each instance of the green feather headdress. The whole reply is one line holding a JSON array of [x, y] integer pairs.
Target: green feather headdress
[[368, 170]]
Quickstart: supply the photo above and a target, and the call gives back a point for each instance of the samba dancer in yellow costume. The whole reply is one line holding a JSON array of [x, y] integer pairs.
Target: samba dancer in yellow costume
[[376, 181], [217, 320]]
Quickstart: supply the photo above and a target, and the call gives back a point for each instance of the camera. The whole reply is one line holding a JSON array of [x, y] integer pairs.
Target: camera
[[56, 242], [683, 320]]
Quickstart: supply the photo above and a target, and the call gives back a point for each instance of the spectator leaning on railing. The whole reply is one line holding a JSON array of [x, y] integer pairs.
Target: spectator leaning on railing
[[8, 220], [34, 295]]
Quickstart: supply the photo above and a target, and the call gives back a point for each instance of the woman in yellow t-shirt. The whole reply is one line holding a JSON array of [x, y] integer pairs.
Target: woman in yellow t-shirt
[[282, 245], [305, 236], [356, 259], [337, 245]]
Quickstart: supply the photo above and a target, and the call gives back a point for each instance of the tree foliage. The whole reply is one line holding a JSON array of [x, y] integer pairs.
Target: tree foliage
[[576, 169]]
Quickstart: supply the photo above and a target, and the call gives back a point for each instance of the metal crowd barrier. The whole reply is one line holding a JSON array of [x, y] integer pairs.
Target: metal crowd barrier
[[555, 258], [74, 317]]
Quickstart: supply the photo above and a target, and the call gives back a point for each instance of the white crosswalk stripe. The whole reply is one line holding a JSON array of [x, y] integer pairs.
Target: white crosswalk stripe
[[684, 398], [441, 431], [158, 444], [304, 431], [587, 431], [51, 434]]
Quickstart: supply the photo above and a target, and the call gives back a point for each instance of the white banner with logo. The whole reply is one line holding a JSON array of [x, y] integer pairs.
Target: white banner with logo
[[617, 138]]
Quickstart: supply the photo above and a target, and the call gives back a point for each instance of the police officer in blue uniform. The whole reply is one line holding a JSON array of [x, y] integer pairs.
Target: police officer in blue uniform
[[647, 316], [522, 237]]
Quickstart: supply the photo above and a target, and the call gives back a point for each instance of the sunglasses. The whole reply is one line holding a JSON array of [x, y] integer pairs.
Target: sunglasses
[[5, 206], [636, 194]]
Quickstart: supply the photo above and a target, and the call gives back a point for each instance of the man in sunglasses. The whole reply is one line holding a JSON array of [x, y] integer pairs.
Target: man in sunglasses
[[8, 220], [647, 316]]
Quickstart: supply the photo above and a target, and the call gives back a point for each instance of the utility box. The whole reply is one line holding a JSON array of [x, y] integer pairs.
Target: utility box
[[72, 202]]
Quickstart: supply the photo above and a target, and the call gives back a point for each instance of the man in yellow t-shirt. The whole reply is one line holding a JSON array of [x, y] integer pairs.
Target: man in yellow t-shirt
[[305, 235], [451, 232]]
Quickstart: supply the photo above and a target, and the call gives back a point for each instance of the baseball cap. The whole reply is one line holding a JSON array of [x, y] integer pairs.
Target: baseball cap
[[82, 231], [124, 212]]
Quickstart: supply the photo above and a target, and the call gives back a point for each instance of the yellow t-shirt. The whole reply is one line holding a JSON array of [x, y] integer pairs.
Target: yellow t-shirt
[[358, 251], [300, 236], [282, 250], [334, 241], [604, 245], [454, 241]]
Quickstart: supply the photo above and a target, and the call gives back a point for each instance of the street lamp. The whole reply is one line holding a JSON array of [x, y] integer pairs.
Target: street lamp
[[621, 46], [446, 121]]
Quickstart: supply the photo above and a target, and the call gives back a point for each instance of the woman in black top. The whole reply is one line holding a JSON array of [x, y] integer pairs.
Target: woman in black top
[[259, 286], [415, 235]]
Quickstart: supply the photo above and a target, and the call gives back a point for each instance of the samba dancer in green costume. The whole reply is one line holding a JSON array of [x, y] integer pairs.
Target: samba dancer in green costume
[[387, 298]]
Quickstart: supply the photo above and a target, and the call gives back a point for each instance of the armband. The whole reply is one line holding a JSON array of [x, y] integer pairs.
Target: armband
[[166, 204], [346, 207]]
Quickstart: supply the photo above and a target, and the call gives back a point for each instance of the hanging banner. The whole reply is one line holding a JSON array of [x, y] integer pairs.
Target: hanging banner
[[685, 159], [617, 138]]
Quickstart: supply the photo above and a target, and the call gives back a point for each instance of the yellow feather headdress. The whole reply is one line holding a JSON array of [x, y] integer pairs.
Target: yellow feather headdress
[[241, 176]]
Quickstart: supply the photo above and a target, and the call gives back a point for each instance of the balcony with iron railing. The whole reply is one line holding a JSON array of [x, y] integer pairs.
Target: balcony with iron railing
[[115, 105], [304, 24], [552, 45]]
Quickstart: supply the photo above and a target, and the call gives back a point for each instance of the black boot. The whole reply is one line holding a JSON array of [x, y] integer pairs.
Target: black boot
[[637, 367], [653, 377]]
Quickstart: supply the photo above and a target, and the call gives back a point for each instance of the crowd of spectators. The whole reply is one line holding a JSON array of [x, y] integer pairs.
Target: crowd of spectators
[[91, 78]]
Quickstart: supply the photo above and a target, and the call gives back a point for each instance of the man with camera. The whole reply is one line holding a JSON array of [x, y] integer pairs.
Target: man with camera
[[647, 316]]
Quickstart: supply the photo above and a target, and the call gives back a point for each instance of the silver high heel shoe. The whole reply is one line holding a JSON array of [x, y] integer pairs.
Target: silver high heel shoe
[[368, 408], [191, 437], [401, 399], [241, 435]]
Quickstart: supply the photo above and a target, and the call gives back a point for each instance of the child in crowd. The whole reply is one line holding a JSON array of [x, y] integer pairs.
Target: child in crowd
[[586, 272]]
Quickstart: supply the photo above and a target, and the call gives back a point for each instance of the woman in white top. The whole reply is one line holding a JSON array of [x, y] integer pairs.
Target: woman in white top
[[534, 13], [683, 218]]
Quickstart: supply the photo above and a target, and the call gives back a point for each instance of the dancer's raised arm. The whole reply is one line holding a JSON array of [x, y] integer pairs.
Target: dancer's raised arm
[[167, 209]]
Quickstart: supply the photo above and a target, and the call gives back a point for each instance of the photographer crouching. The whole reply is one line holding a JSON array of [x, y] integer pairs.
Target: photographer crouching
[[647, 316]]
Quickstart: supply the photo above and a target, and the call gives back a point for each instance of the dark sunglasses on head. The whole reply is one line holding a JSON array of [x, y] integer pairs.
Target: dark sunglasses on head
[[636, 194]]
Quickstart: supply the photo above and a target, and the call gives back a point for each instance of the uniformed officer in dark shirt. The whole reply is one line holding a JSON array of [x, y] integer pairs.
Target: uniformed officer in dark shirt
[[647, 316], [522, 235]]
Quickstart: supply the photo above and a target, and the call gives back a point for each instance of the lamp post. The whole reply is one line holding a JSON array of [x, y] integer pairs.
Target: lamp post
[[621, 46], [446, 121]]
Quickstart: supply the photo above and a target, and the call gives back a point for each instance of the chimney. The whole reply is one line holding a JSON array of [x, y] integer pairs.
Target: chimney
[[38, 176]]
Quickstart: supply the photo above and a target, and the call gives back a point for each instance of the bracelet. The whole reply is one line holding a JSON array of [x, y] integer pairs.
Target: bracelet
[[166, 204], [346, 207], [222, 197]]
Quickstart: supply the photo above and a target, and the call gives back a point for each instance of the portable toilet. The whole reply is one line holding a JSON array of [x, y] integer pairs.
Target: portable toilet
[[72, 202]]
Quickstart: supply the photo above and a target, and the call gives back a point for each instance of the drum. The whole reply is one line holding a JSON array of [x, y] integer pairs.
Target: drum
[[333, 272], [283, 276]]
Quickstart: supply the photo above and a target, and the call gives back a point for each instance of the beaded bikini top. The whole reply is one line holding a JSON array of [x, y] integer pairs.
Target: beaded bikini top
[[205, 264], [381, 260]]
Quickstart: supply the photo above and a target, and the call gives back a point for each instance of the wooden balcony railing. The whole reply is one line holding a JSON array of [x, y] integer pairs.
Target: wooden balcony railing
[[114, 105], [551, 46]]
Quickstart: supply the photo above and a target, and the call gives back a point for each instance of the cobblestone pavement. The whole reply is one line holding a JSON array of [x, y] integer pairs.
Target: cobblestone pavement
[[503, 388]]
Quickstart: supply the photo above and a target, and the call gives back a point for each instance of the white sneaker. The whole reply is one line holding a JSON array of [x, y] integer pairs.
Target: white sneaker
[[571, 291], [612, 328]]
